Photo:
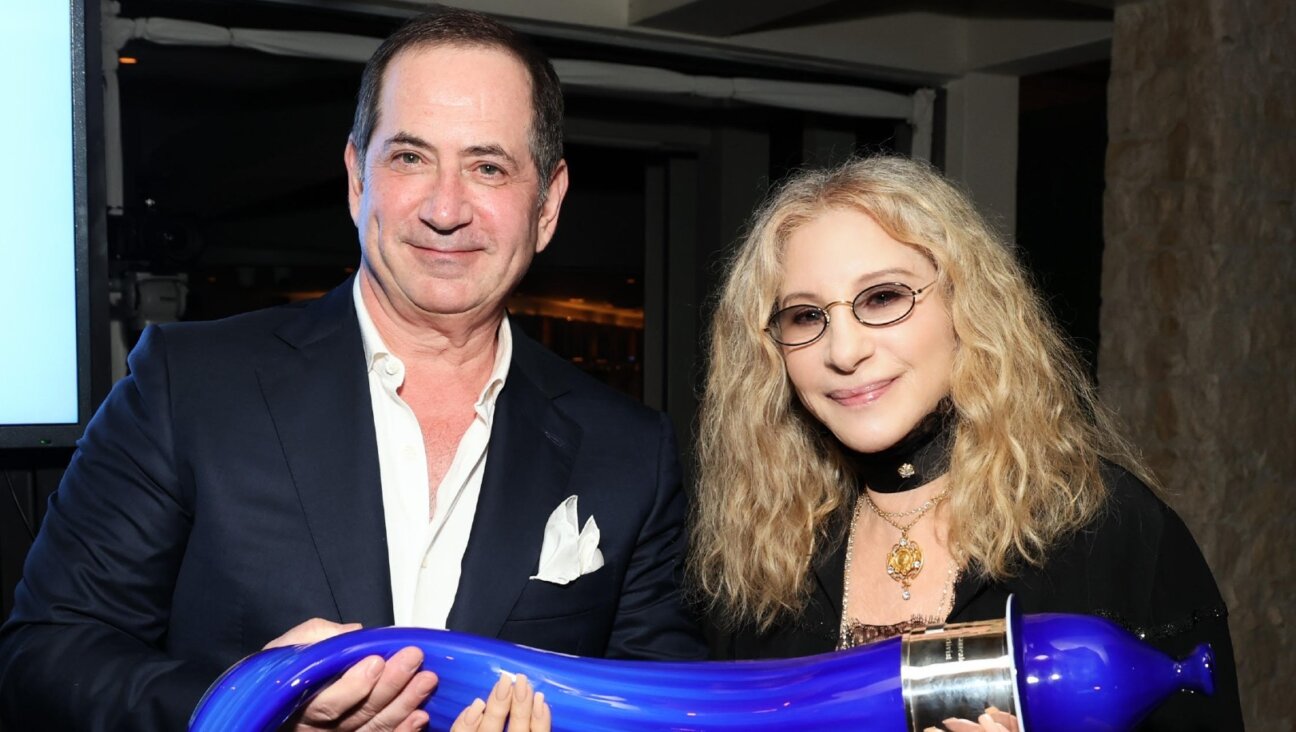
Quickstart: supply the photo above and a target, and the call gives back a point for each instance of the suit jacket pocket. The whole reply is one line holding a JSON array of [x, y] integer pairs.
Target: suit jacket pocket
[[545, 600], [581, 634]]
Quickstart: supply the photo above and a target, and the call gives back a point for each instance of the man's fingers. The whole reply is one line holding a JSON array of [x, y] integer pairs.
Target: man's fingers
[[416, 721], [399, 690], [407, 703], [348, 692], [311, 631], [375, 694]]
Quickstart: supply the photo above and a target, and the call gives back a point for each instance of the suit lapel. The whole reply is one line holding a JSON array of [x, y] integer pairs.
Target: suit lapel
[[317, 393], [532, 448]]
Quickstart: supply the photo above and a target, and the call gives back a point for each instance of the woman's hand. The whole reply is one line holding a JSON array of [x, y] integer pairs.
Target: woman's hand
[[513, 702], [992, 721]]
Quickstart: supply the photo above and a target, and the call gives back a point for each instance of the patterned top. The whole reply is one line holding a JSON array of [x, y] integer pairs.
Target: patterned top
[[855, 633]]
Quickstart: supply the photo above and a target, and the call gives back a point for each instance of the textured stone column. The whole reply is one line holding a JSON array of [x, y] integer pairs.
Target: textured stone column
[[1198, 349]]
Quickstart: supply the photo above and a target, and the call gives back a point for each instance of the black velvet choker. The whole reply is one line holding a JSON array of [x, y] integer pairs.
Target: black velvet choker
[[916, 460]]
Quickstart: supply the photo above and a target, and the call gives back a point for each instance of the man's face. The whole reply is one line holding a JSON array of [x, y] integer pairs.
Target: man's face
[[447, 205]]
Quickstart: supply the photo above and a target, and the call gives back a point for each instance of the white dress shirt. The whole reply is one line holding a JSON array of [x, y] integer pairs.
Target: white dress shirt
[[425, 554]]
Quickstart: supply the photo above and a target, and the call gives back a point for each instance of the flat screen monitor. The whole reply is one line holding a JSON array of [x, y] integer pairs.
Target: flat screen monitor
[[44, 225]]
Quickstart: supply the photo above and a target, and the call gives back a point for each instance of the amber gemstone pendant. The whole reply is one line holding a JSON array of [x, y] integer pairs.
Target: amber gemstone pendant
[[904, 563]]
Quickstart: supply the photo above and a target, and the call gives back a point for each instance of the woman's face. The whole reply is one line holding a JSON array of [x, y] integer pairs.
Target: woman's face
[[869, 385]]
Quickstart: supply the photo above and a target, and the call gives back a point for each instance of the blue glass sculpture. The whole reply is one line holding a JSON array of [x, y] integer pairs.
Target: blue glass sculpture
[[1055, 672]]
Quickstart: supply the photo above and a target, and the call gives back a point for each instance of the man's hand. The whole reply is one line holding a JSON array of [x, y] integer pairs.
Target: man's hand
[[374, 695], [311, 631]]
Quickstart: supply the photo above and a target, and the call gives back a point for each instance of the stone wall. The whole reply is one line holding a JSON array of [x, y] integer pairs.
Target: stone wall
[[1198, 349]]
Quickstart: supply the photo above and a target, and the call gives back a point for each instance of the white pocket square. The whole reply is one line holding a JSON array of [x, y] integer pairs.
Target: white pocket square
[[568, 551]]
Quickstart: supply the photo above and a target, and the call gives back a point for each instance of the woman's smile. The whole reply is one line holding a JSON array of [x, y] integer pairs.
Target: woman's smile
[[865, 394]]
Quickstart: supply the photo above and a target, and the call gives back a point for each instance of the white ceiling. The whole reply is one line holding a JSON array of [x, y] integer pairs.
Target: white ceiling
[[919, 41]]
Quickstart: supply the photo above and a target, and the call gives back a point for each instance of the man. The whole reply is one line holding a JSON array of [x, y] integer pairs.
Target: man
[[388, 454]]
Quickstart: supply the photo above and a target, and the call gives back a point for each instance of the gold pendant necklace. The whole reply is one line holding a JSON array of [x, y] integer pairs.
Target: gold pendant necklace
[[905, 562]]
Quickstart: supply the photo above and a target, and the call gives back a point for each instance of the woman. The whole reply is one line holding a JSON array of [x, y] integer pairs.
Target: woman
[[894, 434]]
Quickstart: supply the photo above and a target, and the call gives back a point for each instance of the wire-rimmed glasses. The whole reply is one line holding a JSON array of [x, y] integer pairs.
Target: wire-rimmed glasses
[[884, 304]]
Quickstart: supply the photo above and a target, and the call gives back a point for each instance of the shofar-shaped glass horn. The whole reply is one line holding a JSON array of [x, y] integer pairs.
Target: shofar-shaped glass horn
[[1056, 673]]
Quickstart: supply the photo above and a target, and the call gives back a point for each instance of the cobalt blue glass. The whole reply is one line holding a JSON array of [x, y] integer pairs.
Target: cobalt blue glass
[[1082, 673], [1071, 672]]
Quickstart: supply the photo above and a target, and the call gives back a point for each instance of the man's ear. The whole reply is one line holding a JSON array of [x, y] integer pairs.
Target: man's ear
[[548, 223], [355, 179]]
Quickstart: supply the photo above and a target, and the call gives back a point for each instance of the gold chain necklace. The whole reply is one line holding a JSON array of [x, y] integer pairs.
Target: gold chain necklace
[[905, 562], [853, 633]]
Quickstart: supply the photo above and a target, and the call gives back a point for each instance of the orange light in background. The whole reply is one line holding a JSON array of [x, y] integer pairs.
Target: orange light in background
[[127, 60], [577, 309]]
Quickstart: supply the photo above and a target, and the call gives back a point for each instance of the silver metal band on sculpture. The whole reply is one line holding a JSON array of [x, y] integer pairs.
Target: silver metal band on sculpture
[[956, 671]]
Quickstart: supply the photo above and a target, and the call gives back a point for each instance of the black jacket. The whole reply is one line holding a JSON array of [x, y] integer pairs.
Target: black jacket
[[229, 489], [1137, 564]]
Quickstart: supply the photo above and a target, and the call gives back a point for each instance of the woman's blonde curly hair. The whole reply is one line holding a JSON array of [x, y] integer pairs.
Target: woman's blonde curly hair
[[1029, 432]]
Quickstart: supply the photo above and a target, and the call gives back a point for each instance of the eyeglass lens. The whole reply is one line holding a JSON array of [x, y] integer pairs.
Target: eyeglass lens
[[877, 305]]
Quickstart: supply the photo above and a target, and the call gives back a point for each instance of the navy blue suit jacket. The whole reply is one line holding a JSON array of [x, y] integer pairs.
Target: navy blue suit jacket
[[229, 489]]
